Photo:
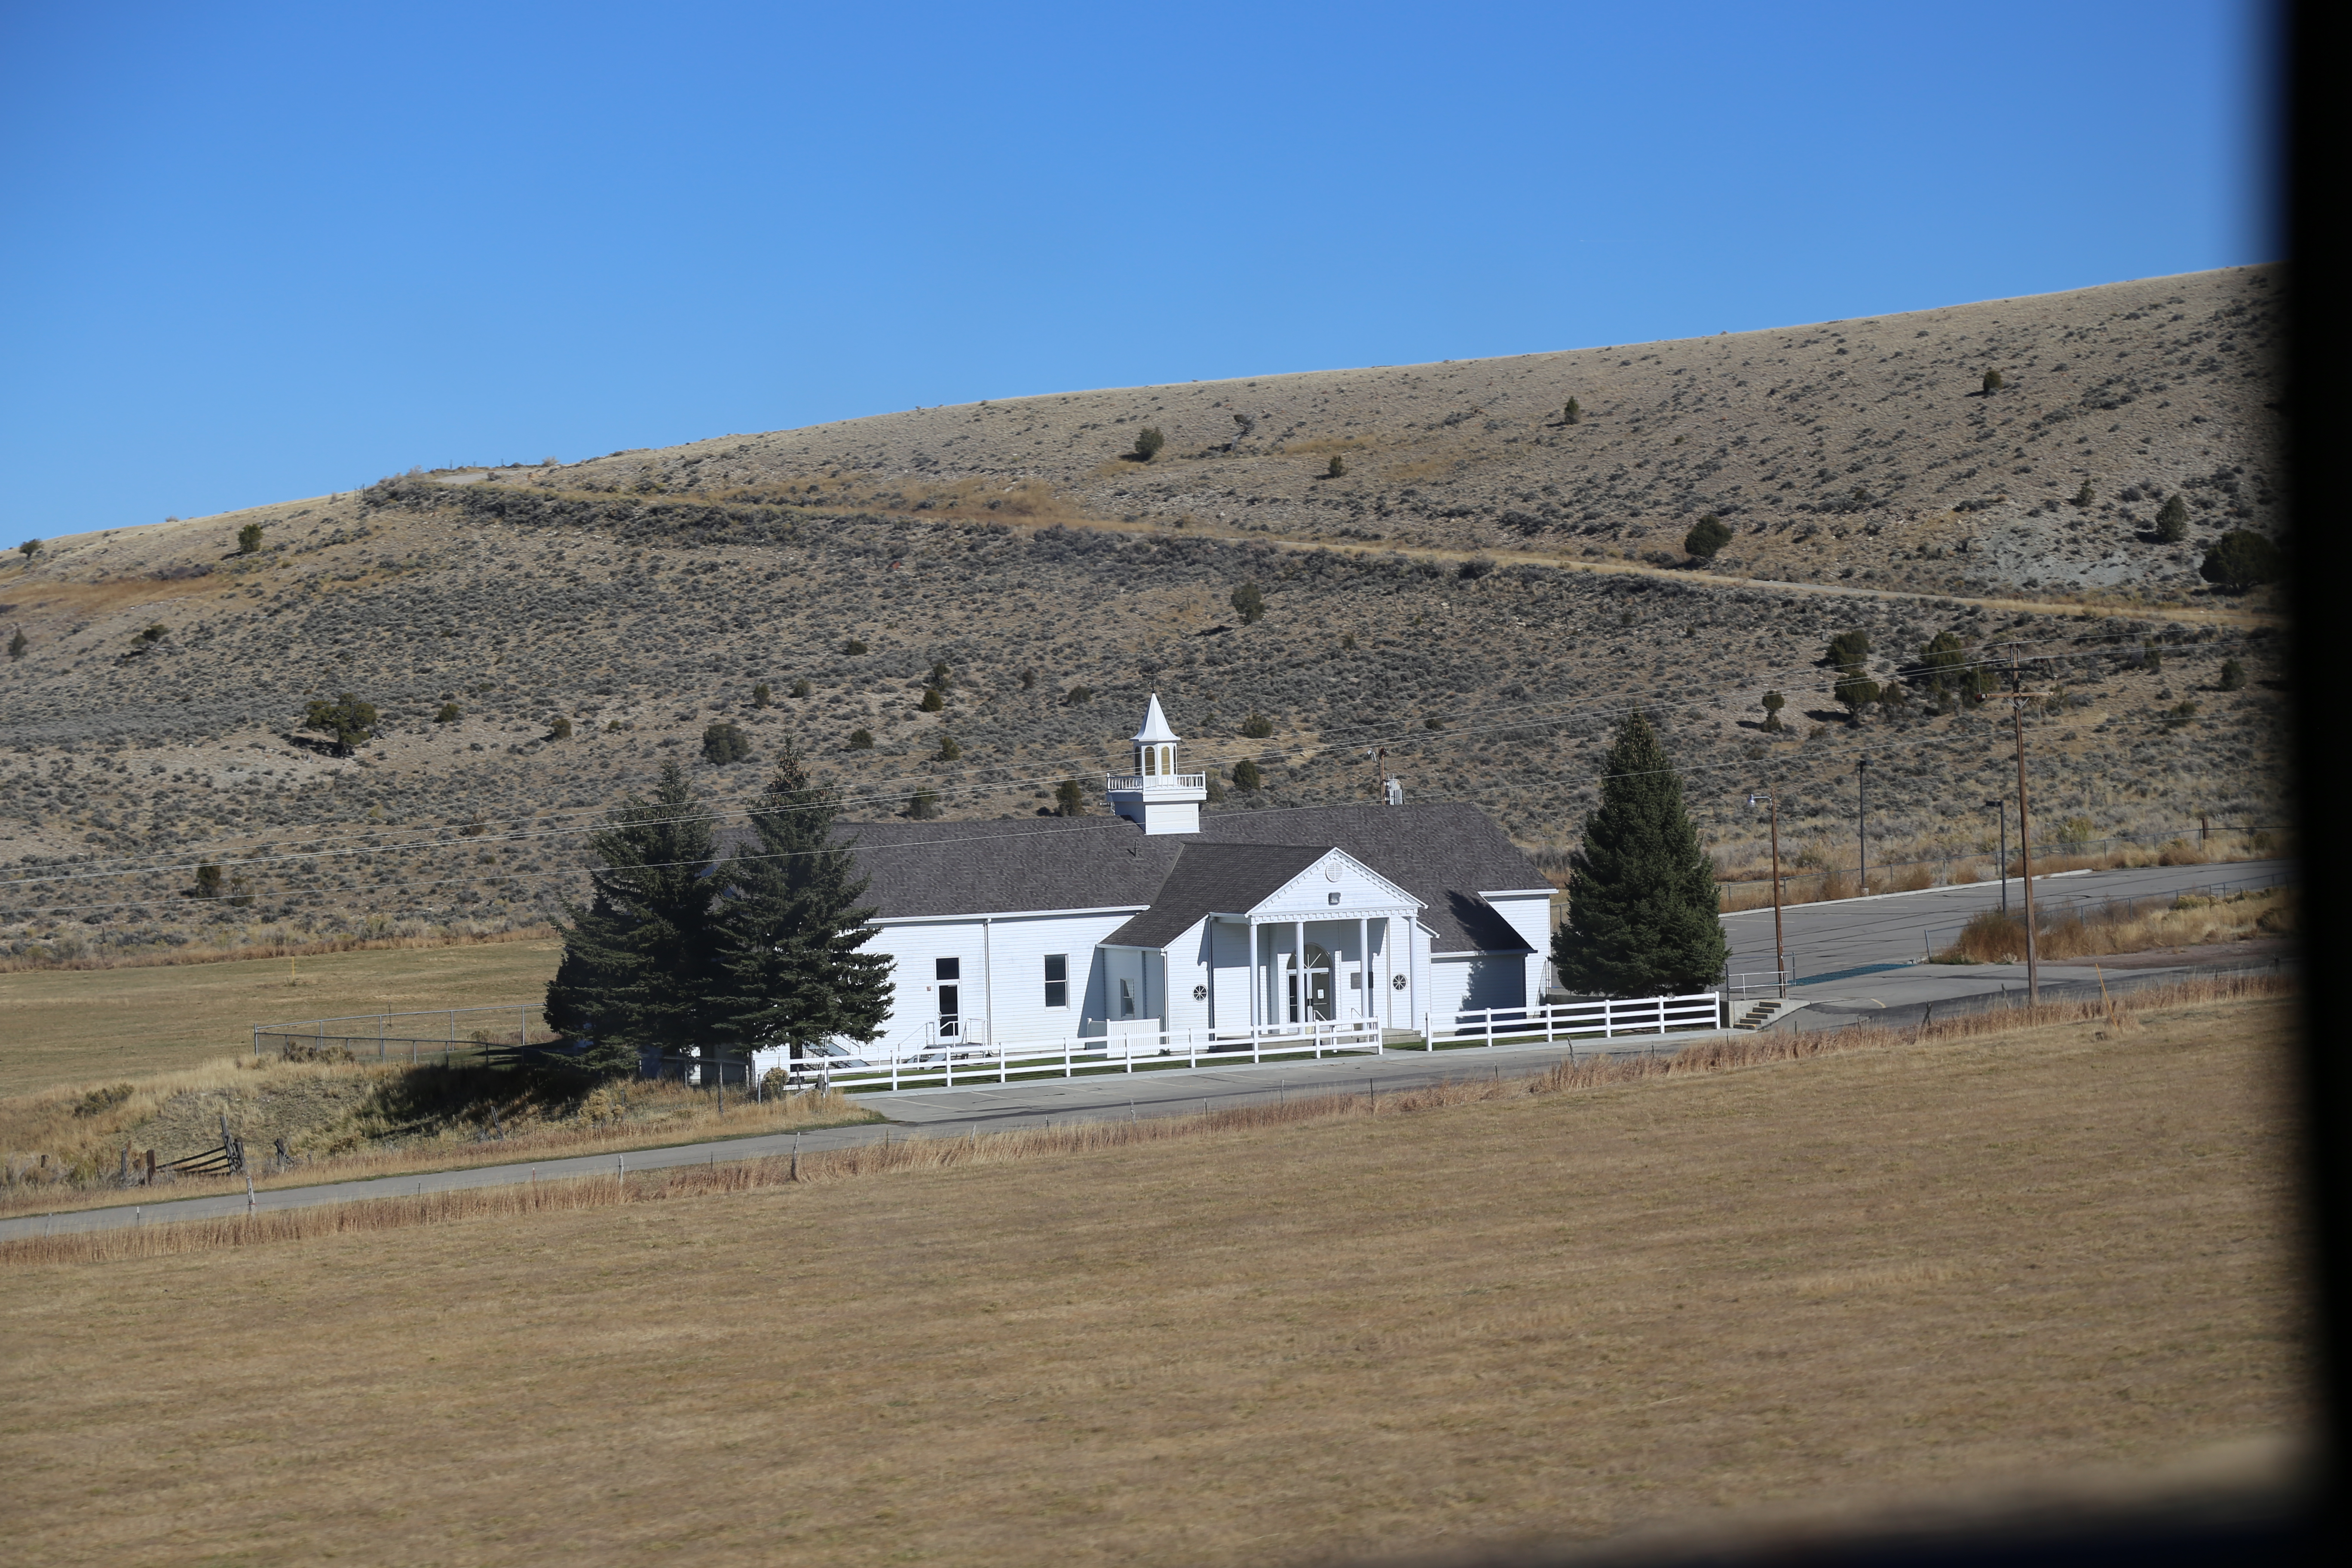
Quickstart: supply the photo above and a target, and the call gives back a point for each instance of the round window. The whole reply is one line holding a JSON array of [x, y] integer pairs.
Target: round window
[[1397, 981], [1199, 993]]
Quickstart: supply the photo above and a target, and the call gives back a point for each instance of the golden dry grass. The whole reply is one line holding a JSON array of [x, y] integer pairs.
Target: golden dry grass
[[2126, 926], [82, 1026], [351, 1122], [1556, 1312]]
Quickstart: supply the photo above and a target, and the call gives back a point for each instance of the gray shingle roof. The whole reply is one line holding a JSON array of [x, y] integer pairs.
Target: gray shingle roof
[[1443, 854], [1215, 878]]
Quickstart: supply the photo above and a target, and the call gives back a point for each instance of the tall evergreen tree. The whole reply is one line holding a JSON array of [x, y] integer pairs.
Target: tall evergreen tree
[[791, 928], [640, 967], [1642, 899]]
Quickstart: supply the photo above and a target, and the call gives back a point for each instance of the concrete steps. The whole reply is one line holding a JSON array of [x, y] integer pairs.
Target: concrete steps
[[1764, 1014]]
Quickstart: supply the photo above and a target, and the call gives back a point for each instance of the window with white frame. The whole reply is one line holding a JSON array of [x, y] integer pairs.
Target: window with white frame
[[1057, 980]]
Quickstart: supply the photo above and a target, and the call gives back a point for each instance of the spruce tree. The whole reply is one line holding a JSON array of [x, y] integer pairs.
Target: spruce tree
[[790, 927], [640, 966], [1642, 899]]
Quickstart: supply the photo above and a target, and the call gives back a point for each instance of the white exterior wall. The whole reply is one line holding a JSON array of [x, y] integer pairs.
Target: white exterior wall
[[1189, 965], [1005, 956], [1228, 1007], [1529, 912]]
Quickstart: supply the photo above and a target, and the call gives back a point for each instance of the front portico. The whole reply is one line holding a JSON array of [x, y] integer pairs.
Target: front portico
[[1253, 938]]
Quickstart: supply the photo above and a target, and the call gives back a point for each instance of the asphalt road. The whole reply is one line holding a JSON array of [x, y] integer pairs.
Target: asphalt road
[[914, 1113], [1862, 954]]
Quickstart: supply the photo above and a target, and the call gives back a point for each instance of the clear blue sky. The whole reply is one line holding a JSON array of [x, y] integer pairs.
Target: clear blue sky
[[256, 251]]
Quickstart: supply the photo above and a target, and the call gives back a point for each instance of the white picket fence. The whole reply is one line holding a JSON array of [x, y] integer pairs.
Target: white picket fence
[[950, 1064], [1577, 1020], [956, 1066]]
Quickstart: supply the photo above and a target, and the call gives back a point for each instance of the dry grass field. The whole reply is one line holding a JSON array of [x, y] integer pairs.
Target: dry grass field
[[60, 1026], [1538, 1315]]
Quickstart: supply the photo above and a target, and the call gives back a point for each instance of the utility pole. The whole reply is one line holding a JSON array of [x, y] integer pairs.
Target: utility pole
[[2016, 701], [1779, 951], [1861, 836], [1999, 809]]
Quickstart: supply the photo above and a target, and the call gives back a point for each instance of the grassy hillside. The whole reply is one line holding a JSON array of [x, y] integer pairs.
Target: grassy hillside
[[644, 596]]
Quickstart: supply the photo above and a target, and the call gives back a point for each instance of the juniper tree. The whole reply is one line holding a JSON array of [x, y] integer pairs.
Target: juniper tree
[[248, 538], [2241, 559], [2172, 522], [1773, 703], [640, 966], [1952, 671], [1249, 604], [790, 927], [1573, 413], [1069, 798], [1709, 536], [347, 722], [1246, 775], [18, 644], [1642, 899], [1148, 442], [724, 743]]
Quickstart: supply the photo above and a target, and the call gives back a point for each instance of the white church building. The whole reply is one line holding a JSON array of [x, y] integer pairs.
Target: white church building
[[1160, 917]]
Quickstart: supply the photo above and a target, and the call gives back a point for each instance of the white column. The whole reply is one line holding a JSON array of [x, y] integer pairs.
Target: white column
[[1364, 968], [1298, 965], [1250, 925]]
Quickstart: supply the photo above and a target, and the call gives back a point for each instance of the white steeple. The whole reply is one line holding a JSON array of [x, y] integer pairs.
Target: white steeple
[[1155, 795], [1155, 725]]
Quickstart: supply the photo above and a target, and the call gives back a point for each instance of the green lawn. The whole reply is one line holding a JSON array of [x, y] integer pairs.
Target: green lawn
[[78, 1024]]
